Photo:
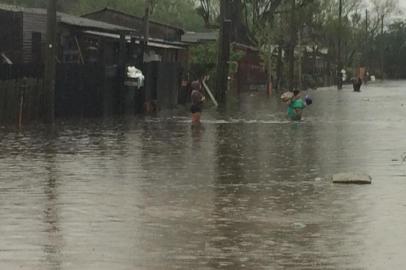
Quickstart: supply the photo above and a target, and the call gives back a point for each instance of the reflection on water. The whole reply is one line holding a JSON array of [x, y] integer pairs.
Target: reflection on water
[[246, 190]]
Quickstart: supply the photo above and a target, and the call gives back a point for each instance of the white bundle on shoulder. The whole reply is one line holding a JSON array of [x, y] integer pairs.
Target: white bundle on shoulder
[[285, 97]]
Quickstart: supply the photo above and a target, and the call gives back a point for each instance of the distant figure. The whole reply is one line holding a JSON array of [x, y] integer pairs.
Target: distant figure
[[197, 102], [339, 81], [366, 78], [356, 84], [296, 106]]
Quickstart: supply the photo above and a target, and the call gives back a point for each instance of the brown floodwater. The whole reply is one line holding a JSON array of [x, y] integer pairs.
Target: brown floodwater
[[247, 190]]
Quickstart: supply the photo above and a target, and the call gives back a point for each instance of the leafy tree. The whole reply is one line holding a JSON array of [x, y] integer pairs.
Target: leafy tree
[[181, 13]]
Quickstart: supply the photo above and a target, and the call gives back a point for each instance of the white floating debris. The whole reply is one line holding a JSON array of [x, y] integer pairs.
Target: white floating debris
[[352, 178], [299, 225]]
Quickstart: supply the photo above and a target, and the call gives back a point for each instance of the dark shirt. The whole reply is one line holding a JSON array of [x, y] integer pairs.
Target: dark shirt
[[197, 97]]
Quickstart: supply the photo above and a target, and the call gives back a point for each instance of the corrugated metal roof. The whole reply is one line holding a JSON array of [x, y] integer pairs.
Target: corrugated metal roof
[[84, 22], [157, 43], [108, 9], [70, 19], [193, 37]]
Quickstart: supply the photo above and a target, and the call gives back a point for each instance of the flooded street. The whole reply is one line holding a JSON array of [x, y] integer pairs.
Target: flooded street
[[249, 190]]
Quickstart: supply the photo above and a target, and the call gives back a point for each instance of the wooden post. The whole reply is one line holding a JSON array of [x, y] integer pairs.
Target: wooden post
[[21, 107], [122, 51], [81, 59], [50, 68]]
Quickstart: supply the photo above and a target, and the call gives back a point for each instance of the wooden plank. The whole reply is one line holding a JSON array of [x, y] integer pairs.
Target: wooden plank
[[351, 178], [210, 94], [32, 23]]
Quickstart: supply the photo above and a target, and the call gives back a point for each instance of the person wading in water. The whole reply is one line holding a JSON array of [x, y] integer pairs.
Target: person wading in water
[[197, 102], [295, 104]]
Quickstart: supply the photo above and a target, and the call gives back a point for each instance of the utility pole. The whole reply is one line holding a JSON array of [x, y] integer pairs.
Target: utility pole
[[50, 65], [144, 47], [223, 52], [382, 46], [143, 97], [292, 46], [339, 62]]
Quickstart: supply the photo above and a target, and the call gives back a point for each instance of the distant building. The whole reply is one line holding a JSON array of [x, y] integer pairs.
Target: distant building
[[251, 75], [248, 72], [103, 41]]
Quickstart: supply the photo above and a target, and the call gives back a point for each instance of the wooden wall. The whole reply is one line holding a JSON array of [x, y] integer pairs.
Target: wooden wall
[[32, 23], [157, 30], [11, 25], [20, 95]]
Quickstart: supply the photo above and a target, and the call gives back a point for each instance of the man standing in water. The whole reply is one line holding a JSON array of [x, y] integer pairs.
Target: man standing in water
[[197, 102]]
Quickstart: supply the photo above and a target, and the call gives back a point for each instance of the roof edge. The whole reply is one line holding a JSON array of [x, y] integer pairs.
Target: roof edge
[[133, 16]]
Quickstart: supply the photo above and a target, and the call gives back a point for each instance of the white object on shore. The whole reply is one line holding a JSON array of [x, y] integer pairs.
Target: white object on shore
[[135, 78], [352, 178]]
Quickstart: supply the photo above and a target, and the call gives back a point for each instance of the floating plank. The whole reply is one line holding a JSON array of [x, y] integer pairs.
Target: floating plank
[[352, 178]]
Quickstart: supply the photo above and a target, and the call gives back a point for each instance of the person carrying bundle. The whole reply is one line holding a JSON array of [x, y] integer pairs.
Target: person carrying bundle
[[295, 104]]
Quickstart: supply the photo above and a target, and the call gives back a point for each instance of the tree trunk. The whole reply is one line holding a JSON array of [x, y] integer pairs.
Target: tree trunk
[[339, 61], [291, 49]]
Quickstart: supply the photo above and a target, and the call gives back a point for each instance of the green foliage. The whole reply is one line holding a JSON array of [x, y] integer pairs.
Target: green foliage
[[181, 13], [29, 3], [393, 46], [203, 58], [267, 24]]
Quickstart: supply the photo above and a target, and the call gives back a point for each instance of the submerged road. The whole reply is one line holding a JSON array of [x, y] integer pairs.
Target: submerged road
[[249, 190]]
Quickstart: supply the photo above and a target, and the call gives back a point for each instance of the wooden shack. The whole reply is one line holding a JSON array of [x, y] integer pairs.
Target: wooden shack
[[165, 41], [105, 44], [23, 30]]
